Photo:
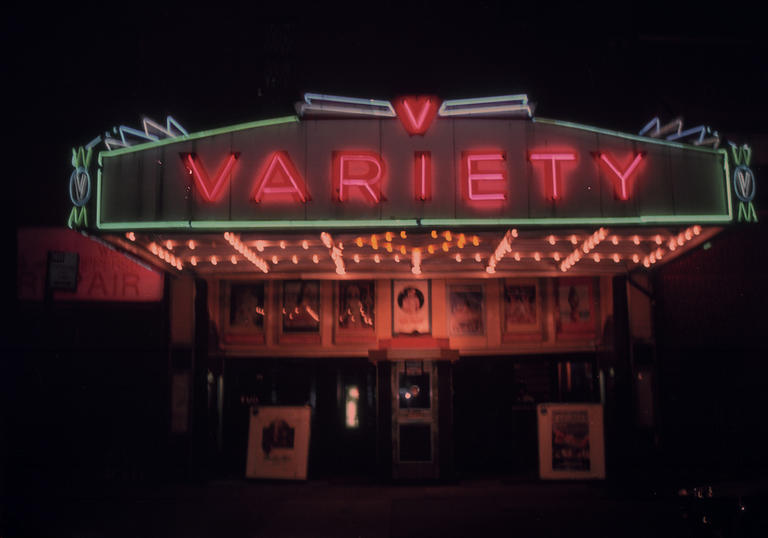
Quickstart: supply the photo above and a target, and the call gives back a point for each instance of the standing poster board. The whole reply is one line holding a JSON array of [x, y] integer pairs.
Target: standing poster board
[[278, 443], [571, 441]]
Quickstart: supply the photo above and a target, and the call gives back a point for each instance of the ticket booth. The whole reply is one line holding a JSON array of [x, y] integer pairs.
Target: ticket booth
[[415, 429]]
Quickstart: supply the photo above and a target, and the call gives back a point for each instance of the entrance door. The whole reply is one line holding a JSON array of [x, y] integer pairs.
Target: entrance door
[[415, 433]]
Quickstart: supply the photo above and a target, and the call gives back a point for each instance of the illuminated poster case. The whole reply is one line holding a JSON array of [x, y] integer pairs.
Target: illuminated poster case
[[278, 443], [571, 444]]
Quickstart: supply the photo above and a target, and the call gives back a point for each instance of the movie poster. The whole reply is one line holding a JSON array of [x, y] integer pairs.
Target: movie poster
[[465, 316], [570, 440], [411, 307], [575, 302], [278, 443]]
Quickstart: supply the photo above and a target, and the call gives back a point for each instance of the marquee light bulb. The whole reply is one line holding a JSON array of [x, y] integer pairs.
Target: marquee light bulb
[[356, 258], [131, 236], [551, 239], [275, 259], [635, 258], [305, 244], [315, 259], [214, 260], [433, 234], [635, 240], [233, 259], [574, 240], [537, 256], [478, 257], [295, 259], [403, 235], [431, 249], [282, 245], [614, 240], [193, 261], [397, 258], [359, 242], [475, 241], [458, 258], [388, 236], [377, 258], [169, 244], [616, 258]]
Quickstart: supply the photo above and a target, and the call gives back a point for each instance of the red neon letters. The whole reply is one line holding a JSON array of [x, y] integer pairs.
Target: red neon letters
[[361, 169], [358, 175], [417, 113], [621, 181], [209, 192], [269, 183], [481, 168], [422, 175], [553, 182]]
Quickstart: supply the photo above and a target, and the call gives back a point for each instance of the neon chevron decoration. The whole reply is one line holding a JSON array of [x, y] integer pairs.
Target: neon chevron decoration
[[210, 191], [172, 129], [417, 113], [335, 104], [501, 105]]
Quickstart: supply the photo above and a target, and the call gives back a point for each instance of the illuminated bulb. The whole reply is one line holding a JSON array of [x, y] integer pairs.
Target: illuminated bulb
[[433, 234], [260, 245], [680, 240], [659, 253], [636, 240], [193, 260], [388, 246], [447, 235], [635, 258], [652, 257], [478, 257], [169, 245], [359, 241], [517, 256], [696, 230], [688, 234], [490, 269], [646, 262], [551, 239], [388, 236], [397, 258], [305, 244], [431, 249], [462, 241], [233, 259], [274, 260], [446, 247], [340, 245], [131, 236], [616, 258], [537, 256], [315, 259], [282, 245], [295, 259], [403, 235], [214, 260], [615, 240], [356, 257], [596, 257], [657, 239], [458, 258], [374, 242], [556, 257], [475, 241], [403, 250], [672, 245], [574, 240], [377, 258]]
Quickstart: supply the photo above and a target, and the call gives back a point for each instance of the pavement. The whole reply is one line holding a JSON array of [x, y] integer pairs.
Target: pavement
[[248, 509]]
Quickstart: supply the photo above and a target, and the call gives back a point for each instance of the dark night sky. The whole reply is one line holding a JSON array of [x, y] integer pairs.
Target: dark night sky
[[79, 71]]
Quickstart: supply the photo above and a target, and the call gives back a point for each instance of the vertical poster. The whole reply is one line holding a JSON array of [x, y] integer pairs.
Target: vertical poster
[[571, 440], [575, 304], [411, 307], [301, 306], [466, 310], [356, 304], [278, 443]]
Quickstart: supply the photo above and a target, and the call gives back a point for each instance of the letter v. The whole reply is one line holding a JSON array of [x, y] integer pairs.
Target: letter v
[[211, 191]]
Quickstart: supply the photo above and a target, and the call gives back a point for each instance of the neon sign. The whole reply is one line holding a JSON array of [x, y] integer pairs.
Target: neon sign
[[553, 184], [744, 182], [80, 187], [417, 113], [280, 163], [211, 191], [621, 179], [361, 169]]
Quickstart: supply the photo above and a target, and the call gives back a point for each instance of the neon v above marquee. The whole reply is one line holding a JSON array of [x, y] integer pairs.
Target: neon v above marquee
[[347, 162]]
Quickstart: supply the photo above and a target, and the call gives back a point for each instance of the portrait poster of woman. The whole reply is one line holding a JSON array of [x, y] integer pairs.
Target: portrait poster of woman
[[356, 305], [411, 305], [242, 312], [301, 306], [576, 305], [466, 310], [522, 306]]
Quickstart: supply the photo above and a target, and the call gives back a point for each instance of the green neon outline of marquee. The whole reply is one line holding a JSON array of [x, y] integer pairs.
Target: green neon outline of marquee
[[212, 225]]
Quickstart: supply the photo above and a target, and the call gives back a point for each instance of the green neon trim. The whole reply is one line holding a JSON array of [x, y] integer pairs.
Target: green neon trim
[[619, 134], [747, 212], [202, 225], [98, 195], [196, 136], [727, 186]]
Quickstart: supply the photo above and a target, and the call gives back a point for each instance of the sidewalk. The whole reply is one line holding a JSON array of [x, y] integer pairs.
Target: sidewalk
[[242, 509]]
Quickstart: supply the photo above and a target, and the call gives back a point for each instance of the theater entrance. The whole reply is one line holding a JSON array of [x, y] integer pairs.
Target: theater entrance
[[415, 414]]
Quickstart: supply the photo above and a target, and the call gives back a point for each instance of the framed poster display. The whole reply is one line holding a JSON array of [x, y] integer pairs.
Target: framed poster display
[[356, 311], [411, 307], [243, 312], [575, 306], [522, 314], [466, 310], [571, 441], [278, 443], [301, 307]]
